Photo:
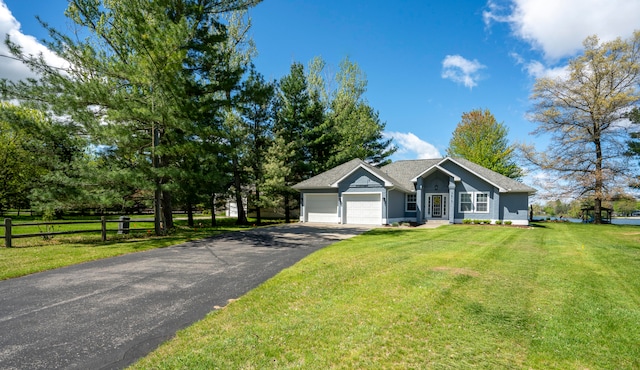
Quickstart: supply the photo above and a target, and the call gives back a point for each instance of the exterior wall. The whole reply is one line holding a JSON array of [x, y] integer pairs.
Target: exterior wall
[[396, 205], [362, 181], [494, 201], [502, 206], [514, 207], [470, 183]]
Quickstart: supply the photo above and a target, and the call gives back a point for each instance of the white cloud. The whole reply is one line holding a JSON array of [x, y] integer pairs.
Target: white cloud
[[410, 143], [461, 70], [13, 69], [537, 69], [558, 28]]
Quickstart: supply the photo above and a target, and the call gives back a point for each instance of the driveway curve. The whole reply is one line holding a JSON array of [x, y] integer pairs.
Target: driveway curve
[[108, 313]]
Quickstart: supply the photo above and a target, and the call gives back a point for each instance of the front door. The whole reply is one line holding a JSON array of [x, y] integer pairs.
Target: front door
[[436, 206]]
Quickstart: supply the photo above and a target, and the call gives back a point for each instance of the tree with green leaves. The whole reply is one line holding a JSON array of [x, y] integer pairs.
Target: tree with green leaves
[[624, 204], [584, 113], [46, 162], [481, 139], [19, 169], [351, 128], [134, 81], [287, 160], [240, 51], [256, 106]]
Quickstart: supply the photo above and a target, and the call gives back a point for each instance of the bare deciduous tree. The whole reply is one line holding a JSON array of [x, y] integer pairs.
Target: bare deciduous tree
[[585, 114]]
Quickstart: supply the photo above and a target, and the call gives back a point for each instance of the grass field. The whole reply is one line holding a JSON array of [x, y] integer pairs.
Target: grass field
[[555, 296], [32, 255]]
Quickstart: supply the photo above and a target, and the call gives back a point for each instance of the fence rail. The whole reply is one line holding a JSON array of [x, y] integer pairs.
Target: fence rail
[[123, 228]]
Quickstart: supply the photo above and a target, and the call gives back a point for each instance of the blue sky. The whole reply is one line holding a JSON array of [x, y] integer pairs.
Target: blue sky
[[427, 62]]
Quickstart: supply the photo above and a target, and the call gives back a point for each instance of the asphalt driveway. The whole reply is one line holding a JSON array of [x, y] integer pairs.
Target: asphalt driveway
[[108, 313]]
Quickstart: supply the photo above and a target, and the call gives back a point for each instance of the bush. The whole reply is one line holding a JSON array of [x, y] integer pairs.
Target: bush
[[466, 221], [395, 224], [498, 222], [477, 222], [508, 222]]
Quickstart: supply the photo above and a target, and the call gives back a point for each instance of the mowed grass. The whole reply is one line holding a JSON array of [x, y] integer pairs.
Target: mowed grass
[[31, 255], [556, 296]]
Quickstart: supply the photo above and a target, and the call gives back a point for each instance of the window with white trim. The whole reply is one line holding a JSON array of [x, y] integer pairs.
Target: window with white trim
[[466, 202], [444, 206], [474, 202], [410, 203], [482, 202]]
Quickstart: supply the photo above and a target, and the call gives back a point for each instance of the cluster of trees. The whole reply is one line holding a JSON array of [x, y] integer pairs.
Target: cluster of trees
[[622, 205], [159, 101]]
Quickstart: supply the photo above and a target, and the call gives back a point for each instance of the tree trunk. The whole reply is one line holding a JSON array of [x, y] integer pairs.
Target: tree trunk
[[287, 209], [157, 210], [242, 215], [214, 223], [258, 216], [597, 211], [167, 210], [599, 187], [189, 214]]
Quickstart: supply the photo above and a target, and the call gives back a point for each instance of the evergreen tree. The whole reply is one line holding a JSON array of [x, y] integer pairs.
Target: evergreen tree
[[288, 157], [135, 82], [256, 106]]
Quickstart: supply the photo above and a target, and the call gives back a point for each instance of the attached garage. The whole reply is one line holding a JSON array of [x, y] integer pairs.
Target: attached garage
[[321, 208], [363, 209]]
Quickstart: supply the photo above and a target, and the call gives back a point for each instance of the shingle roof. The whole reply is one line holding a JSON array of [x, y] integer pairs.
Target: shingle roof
[[504, 182], [326, 179], [400, 174], [404, 171]]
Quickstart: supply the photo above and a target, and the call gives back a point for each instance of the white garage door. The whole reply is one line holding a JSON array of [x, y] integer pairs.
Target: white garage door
[[362, 209], [321, 208]]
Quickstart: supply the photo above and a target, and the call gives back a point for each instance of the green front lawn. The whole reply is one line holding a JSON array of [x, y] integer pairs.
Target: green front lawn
[[557, 296]]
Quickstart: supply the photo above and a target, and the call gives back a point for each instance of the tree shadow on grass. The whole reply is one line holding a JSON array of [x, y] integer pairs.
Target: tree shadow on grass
[[536, 225]]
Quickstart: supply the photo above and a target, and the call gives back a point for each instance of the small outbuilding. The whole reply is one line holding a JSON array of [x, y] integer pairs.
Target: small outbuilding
[[445, 189], [588, 214]]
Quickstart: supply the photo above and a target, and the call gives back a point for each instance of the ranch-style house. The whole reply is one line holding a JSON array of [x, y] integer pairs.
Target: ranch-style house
[[446, 190]]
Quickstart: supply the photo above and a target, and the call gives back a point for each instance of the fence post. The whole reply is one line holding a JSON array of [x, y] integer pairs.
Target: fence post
[[123, 225], [7, 232], [103, 219]]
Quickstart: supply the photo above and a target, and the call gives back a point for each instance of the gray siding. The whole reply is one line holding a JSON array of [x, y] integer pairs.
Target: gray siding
[[395, 202], [514, 206], [439, 179], [362, 181], [470, 183]]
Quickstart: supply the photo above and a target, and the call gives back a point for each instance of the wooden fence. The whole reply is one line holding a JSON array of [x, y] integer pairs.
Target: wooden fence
[[123, 228]]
